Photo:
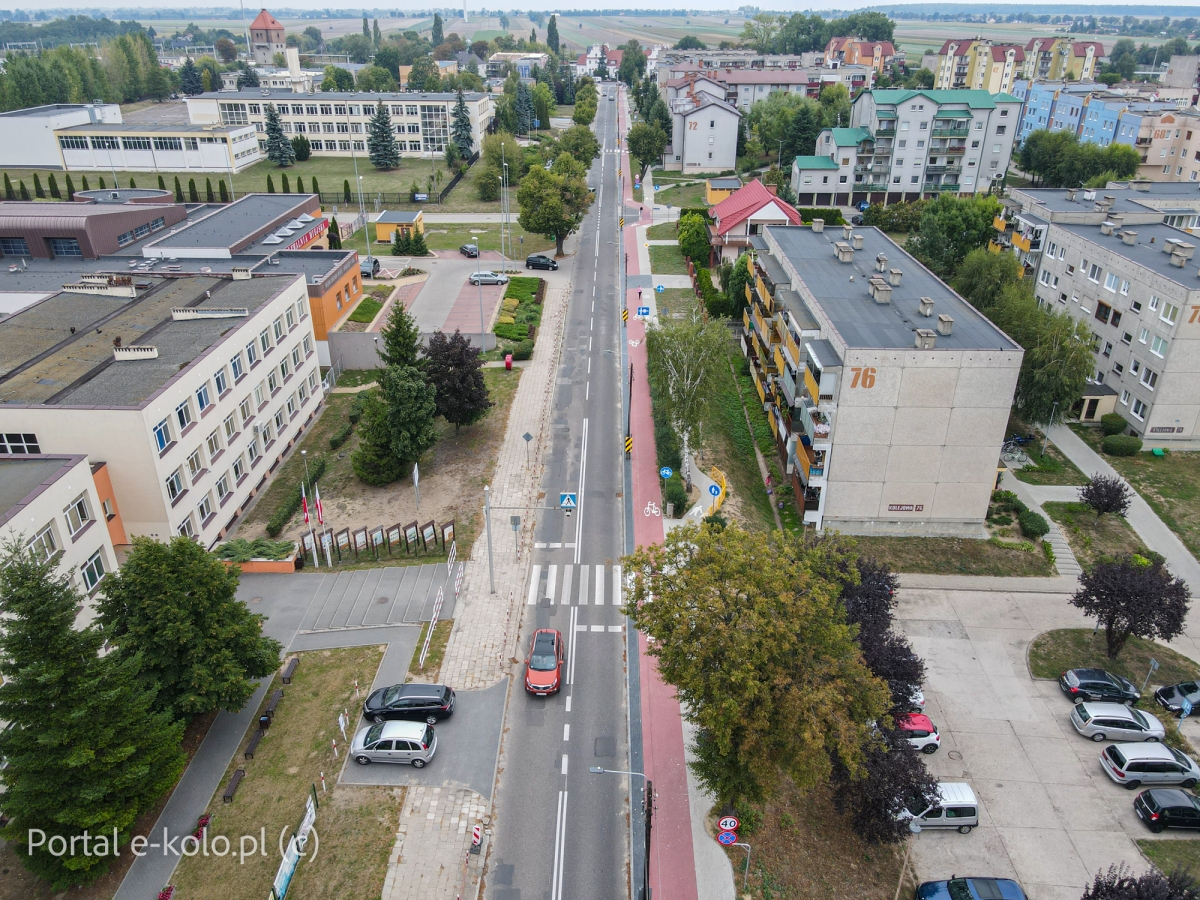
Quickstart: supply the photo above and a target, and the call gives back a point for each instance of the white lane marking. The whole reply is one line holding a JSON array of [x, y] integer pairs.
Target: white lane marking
[[618, 600], [566, 594], [533, 585], [566, 735], [568, 702], [584, 571], [597, 628], [560, 840], [589, 361], [571, 661], [587, 391], [616, 628], [593, 290], [564, 771], [591, 324], [581, 628], [551, 582], [582, 479], [589, 336], [599, 585]]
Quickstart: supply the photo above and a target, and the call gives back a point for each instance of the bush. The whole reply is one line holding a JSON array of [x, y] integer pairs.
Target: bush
[[340, 436], [897, 217], [522, 288], [241, 550], [1002, 519], [1113, 423], [523, 350], [291, 502], [675, 493], [831, 216], [1033, 525], [713, 299], [512, 332], [1122, 445], [1007, 501], [356, 408]]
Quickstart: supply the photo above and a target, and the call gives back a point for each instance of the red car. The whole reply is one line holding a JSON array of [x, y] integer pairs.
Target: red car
[[922, 734], [543, 670]]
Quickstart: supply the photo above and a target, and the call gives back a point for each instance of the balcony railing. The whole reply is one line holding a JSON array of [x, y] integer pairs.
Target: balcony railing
[[1000, 223], [950, 132], [960, 149]]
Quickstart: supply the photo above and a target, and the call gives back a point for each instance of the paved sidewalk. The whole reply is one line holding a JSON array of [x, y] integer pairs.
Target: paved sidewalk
[[1034, 496], [433, 837]]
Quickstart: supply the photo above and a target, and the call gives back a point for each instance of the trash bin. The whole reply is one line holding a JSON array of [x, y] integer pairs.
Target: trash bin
[[508, 361], [264, 722]]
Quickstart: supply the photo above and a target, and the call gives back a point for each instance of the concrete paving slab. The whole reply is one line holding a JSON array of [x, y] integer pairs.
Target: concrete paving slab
[[1045, 856], [1015, 803], [945, 853], [996, 757], [1054, 760], [1082, 811]]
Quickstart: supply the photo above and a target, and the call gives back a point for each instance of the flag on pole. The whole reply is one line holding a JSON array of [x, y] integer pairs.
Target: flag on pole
[[320, 509], [304, 501]]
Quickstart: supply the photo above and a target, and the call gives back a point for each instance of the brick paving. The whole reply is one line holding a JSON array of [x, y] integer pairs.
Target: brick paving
[[431, 856]]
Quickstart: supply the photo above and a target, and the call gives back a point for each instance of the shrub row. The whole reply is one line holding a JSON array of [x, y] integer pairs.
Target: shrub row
[[1122, 445], [512, 332], [898, 217], [356, 408], [291, 502], [1112, 423], [713, 299], [523, 350], [340, 436], [831, 216], [523, 288], [675, 493]]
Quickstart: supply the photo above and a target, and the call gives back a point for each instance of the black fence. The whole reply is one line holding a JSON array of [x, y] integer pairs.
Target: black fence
[[393, 199]]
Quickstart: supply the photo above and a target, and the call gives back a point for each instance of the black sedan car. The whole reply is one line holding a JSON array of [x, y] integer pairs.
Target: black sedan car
[[1096, 684], [410, 701], [538, 261], [469, 250], [1162, 808], [1172, 696]]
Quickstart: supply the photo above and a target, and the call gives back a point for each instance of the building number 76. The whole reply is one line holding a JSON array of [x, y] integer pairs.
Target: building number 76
[[862, 377]]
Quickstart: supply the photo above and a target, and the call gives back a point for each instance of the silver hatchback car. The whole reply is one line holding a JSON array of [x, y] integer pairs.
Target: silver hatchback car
[[395, 742], [1133, 765], [1115, 721]]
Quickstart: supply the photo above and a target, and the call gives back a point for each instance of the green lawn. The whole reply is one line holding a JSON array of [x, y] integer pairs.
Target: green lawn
[[663, 231], [1168, 856], [451, 236], [955, 556], [1090, 539], [1170, 484], [676, 303], [1053, 652], [687, 195], [366, 311], [667, 260], [1051, 468], [357, 377]]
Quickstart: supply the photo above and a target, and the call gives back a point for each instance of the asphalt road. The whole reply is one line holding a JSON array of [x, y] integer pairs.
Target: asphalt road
[[563, 832]]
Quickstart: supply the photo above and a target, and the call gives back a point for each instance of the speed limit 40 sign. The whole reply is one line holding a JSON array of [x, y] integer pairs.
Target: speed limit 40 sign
[[729, 823]]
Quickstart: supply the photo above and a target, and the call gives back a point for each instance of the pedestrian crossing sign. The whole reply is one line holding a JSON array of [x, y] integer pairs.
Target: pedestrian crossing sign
[[567, 501]]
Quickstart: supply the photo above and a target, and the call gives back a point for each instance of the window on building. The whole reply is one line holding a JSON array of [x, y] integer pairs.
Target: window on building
[[280, 420], [1110, 282], [246, 410], [312, 381], [92, 571], [264, 340], [272, 381], [202, 399], [186, 529], [183, 415], [204, 509], [302, 391], [1153, 304], [236, 365], [223, 486], [1139, 409], [1094, 273], [43, 545], [213, 442], [260, 395], [195, 463], [77, 514], [1125, 397], [1149, 377], [239, 467], [14, 246], [162, 435], [1158, 346], [1169, 313], [66, 247], [1103, 310]]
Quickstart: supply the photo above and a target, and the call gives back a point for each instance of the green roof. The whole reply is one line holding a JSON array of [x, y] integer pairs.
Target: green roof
[[1006, 98], [952, 114], [976, 99], [851, 137], [886, 115], [815, 162]]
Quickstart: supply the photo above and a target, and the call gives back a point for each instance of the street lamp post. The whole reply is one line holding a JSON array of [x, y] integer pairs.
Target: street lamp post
[[779, 158], [311, 533], [648, 812]]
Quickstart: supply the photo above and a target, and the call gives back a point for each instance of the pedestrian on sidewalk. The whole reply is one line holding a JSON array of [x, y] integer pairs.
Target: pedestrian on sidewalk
[[639, 295]]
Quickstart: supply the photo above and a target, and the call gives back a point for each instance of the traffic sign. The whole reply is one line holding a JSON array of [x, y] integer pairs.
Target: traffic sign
[[625, 314], [628, 445], [715, 490], [729, 823], [1186, 707], [659, 289], [567, 501], [666, 472], [727, 838], [621, 222], [643, 310]]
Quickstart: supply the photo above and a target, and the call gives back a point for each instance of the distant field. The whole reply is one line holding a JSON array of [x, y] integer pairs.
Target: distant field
[[917, 37]]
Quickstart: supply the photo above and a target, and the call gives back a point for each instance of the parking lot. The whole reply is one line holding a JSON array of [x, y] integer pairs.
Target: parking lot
[[1049, 818]]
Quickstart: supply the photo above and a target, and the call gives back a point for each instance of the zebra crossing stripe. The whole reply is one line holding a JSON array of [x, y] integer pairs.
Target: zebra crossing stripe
[[599, 585], [566, 594], [583, 584], [534, 578], [617, 599], [551, 582]]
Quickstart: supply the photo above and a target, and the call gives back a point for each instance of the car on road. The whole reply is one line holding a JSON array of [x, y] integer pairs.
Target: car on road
[[956, 808], [862, 205], [1132, 765], [469, 250], [539, 261], [971, 889], [1162, 808], [488, 278], [543, 670], [1115, 721], [368, 268], [1172, 696], [1096, 684], [922, 734], [395, 742], [856, 220], [429, 702]]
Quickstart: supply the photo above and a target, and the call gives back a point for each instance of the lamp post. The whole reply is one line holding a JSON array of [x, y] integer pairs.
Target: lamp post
[[779, 157], [915, 829], [311, 533], [362, 210], [648, 812], [1046, 436]]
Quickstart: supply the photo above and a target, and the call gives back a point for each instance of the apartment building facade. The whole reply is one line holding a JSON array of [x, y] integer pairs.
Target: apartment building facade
[[1170, 147], [977, 64], [335, 123], [853, 51], [1055, 58], [882, 429], [1096, 115], [704, 131]]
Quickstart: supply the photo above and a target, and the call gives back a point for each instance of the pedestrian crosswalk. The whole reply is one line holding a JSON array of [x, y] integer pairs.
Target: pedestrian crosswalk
[[575, 585]]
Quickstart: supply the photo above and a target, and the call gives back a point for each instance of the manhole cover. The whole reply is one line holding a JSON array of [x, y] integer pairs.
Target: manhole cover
[[954, 754], [256, 599], [381, 599]]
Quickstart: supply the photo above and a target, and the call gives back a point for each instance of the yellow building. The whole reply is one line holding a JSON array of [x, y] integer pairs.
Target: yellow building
[[1059, 58], [406, 223], [978, 64], [717, 189]]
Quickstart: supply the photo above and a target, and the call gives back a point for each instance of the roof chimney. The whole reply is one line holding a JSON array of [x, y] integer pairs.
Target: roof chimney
[[880, 263], [844, 252], [856, 241], [1107, 227], [1129, 237], [773, 189], [818, 225], [894, 276], [944, 324], [926, 339], [1071, 192], [926, 307], [847, 230], [883, 293]]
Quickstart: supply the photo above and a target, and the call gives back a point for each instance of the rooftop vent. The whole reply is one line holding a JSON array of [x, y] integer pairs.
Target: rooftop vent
[[945, 324], [1071, 192], [240, 273], [818, 225], [881, 262], [1143, 186], [844, 252], [137, 351], [1168, 246], [272, 239], [1184, 249], [1129, 237], [883, 293], [1107, 227], [926, 307], [856, 241], [1116, 219], [926, 339], [847, 230], [191, 314], [1089, 195], [894, 276], [305, 218], [1178, 259]]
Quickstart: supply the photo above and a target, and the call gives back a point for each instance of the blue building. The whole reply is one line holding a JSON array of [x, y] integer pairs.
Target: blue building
[[1093, 113]]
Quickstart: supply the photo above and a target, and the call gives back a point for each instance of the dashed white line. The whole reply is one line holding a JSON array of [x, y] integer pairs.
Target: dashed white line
[[587, 391], [560, 841], [597, 628], [568, 702], [616, 628], [566, 735], [564, 771]]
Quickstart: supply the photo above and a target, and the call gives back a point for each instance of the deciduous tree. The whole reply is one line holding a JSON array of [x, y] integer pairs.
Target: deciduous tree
[[337, 79], [580, 142], [687, 358], [759, 31], [1118, 883], [646, 144], [1133, 596], [895, 782], [1106, 494], [375, 79], [553, 204], [952, 227], [435, 36], [454, 368], [693, 239], [982, 277]]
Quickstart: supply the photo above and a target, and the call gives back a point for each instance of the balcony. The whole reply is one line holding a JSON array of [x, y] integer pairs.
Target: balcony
[[810, 385], [945, 187], [950, 132], [1000, 223], [959, 149], [886, 130], [1022, 243], [954, 168], [791, 346]]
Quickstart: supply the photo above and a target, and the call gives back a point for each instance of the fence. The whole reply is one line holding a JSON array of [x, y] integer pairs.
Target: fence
[[391, 199], [379, 541]]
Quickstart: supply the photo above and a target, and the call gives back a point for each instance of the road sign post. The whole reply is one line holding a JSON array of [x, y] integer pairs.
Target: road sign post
[[568, 502], [527, 438], [667, 472], [1153, 669]]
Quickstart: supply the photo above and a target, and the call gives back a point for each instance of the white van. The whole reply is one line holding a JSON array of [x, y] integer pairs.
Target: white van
[[956, 808]]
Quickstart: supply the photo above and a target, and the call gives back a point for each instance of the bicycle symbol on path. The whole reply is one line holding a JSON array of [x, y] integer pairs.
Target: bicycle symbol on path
[[634, 343], [651, 509]]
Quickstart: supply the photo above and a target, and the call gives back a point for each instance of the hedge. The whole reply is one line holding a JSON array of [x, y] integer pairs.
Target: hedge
[[1033, 525], [1122, 445], [512, 332], [523, 350], [523, 288], [340, 436], [1112, 423], [831, 216], [675, 493], [713, 299], [291, 503], [241, 550], [356, 408]]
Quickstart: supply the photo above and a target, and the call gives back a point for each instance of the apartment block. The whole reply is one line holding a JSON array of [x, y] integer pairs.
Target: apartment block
[[879, 55], [888, 394], [1096, 115], [1054, 58], [978, 64], [704, 129], [335, 123], [745, 87], [1170, 147]]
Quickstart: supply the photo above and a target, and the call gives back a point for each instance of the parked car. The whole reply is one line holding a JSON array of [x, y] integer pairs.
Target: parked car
[[489, 278], [543, 670], [856, 220], [863, 205], [1172, 696], [971, 889], [1162, 808], [368, 268], [922, 734], [956, 808], [1096, 684], [1115, 721], [538, 261], [469, 250], [410, 701], [395, 742], [1132, 765]]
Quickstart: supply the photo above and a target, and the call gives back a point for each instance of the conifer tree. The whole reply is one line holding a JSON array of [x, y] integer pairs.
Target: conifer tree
[[316, 190], [38, 190], [70, 187], [401, 339], [132, 184], [435, 36], [162, 184], [193, 194], [335, 236], [178, 189], [381, 143], [346, 190], [101, 182], [190, 82], [223, 191], [22, 190], [209, 196], [299, 185], [416, 246], [460, 132], [287, 189], [270, 184], [9, 193], [279, 149], [52, 185]]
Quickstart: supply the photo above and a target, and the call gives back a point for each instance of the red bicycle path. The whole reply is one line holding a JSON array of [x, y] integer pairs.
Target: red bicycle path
[[672, 856]]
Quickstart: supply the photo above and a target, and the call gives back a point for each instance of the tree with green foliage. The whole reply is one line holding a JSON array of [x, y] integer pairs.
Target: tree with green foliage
[[372, 460], [178, 187], [553, 204], [335, 78], [580, 142], [435, 36], [693, 239], [401, 346], [687, 358], [346, 195], [247, 77], [401, 243], [951, 227], [52, 186], [1131, 596], [189, 79], [38, 190], [175, 607], [524, 109], [334, 235], [690, 42], [423, 76], [552, 35], [285, 186], [223, 191], [86, 188], [381, 143], [302, 147], [279, 149], [9, 193], [801, 136], [270, 183], [982, 277], [633, 63], [460, 129], [71, 186], [455, 369], [85, 749], [585, 112], [749, 629], [193, 194], [1060, 159], [374, 79], [209, 196], [376, 34], [735, 286], [417, 245], [646, 144]]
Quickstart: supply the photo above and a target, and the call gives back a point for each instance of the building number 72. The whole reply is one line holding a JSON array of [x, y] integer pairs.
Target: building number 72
[[1195, 316], [862, 377]]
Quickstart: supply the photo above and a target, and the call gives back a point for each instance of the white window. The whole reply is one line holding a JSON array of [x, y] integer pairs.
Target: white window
[[77, 515], [1044, 277], [239, 467], [1094, 273], [264, 339], [214, 444], [1153, 304], [43, 545], [175, 484], [183, 413], [1110, 282], [236, 365], [291, 405], [277, 326], [1124, 287], [162, 435], [312, 381], [1135, 366], [1125, 398], [307, 346], [1143, 335], [302, 391], [92, 570], [995, 148], [204, 509], [916, 179], [285, 369], [221, 382], [186, 529], [195, 463], [1169, 313], [1149, 377], [272, 381], [900, 161], [223, 486], [280, 420], [1158, 346], [260, 396], [296, 357], [252, 353], [1139, 409], [202, 399], [290, 316]]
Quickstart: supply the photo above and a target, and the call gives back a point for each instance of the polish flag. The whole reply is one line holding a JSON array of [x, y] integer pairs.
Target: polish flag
[[320, 509], [304, 502]]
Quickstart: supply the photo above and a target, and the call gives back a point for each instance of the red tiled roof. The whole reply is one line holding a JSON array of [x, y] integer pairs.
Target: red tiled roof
[[615, 55], [962, 44], [265, 22], [1000, 52], [582, 60], [745, 202], [1081, 48]]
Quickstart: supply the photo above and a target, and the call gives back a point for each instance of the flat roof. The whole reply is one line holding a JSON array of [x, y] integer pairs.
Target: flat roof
[[859, 320], [17, 210], [51, 109], [231, 225], [398, 217], [78, 369], [22, 478], [282, 94], [725, 184], [1144, 253], [1055, 200], [149, 128]]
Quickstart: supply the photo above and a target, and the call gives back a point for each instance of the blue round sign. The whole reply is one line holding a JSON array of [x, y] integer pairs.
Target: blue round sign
[[666, 471], [727, 838], [659, 289], [715, 490]]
